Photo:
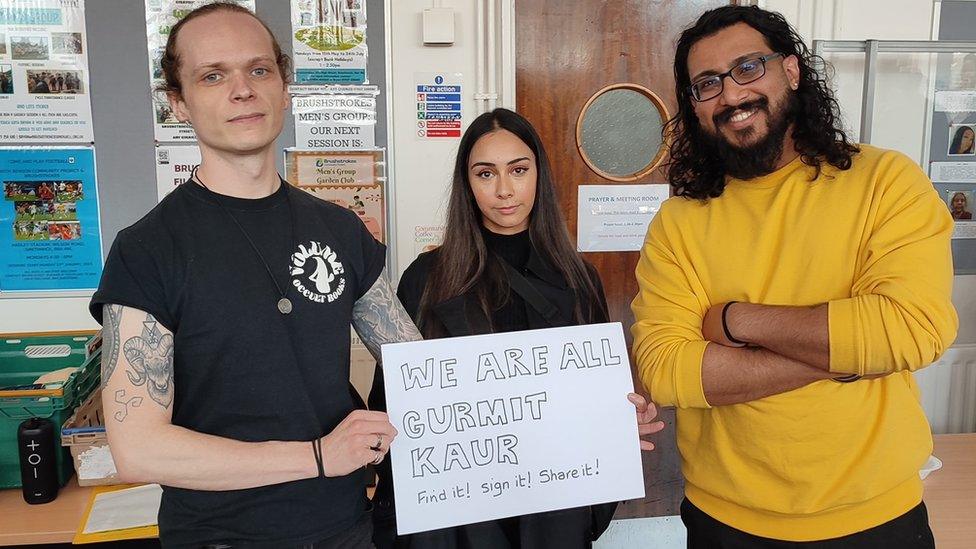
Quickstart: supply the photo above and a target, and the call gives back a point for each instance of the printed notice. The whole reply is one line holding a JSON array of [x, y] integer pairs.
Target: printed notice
[[44, 95], [174, 164], [329, 41], [439, 105], [614, 218], [335, 121], [50, 237]]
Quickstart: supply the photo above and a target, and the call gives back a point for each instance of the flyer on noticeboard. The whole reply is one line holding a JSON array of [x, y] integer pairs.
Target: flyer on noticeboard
[[161, 15], [329, 41], [50, 234], [44, 95]]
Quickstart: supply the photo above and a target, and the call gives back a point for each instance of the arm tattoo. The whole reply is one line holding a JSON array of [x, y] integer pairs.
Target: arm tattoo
[[111, 320], [151, 358], [135, 402], [379, 318]]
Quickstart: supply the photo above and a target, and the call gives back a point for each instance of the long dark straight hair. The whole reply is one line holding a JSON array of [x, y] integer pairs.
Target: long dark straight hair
[[463, 264]]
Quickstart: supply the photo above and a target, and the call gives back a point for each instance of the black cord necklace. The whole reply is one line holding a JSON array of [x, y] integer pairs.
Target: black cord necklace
[[284, 304]]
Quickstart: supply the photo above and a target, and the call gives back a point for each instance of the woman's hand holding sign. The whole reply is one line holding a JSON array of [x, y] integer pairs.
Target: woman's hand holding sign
[[646, 412]]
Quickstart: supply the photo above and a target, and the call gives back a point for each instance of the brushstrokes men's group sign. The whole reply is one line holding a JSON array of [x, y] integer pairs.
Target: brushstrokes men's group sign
[[509, 424]]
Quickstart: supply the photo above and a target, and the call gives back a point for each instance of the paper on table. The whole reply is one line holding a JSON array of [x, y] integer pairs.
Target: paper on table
[[129, 508]]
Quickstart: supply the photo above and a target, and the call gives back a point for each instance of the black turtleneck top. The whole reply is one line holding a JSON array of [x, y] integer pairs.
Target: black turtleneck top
[[510, 316]]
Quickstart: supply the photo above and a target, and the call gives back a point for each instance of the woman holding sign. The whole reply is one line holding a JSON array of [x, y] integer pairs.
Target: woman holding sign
[[507, 264]]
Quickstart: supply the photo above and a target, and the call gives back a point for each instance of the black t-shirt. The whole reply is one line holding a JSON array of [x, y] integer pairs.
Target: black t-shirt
[[243, 370]]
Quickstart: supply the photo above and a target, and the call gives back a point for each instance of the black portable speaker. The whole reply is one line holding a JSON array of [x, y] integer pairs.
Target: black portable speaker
[[38, 450]]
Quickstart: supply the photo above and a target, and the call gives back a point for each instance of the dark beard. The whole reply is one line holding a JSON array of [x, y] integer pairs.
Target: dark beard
[[759, 158]]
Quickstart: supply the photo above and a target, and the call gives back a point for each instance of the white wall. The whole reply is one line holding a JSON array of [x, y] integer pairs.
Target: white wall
[[902, 84]]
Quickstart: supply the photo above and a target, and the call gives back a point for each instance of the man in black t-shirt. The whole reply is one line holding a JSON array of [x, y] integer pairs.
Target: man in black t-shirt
[[226, 314]]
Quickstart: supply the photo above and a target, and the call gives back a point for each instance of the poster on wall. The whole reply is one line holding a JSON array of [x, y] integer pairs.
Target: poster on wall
[[439, 112], [161, 15], [329, 41], [50, 237], [174, 164], [44, 94], [351, 179], [304, 167], [614, 218], [427, 238], [336, 121], [500, 425]]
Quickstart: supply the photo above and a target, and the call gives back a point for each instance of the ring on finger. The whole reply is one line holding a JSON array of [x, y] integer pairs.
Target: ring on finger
[[379, 444]]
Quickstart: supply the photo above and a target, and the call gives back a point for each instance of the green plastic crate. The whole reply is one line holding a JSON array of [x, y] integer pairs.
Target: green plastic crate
[[22, 360]]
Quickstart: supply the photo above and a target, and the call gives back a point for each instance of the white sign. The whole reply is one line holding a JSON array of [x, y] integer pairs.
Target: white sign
[[964, 229], [329, 41], [953, 172], [335, 122], [614, 218], [44, 72], [439, 105], [955, 101], [508, 424], [174, 164], [161, 15]]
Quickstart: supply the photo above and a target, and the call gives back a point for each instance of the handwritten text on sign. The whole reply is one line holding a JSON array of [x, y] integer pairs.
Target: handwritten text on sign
[[508, 424]]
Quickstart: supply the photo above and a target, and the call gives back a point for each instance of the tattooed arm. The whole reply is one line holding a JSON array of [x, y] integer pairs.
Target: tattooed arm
[[379, 318], [137, 397]]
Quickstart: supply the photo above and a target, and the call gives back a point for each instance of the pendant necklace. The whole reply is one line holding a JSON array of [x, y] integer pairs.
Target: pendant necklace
[[284, 304]]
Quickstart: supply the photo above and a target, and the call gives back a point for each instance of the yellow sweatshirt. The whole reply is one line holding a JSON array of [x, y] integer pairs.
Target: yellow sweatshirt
[[829, 459]]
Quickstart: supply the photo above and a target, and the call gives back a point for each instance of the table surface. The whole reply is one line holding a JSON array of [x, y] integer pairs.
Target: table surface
[[950, 495]]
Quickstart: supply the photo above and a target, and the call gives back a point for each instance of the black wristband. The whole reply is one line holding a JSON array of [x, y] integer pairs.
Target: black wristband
[[317, 451], [725, 325], [846, 379]]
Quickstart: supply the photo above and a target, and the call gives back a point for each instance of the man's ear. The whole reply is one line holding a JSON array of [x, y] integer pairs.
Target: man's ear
[[178, 105], [791, 65]]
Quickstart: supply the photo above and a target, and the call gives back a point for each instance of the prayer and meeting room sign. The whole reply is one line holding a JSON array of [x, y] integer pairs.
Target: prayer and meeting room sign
[[500, 425]]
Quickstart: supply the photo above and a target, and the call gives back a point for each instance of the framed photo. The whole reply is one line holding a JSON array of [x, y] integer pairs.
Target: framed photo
[[960, 204]]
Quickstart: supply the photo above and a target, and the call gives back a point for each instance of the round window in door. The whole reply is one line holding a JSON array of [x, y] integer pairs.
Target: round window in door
[[618, 132]]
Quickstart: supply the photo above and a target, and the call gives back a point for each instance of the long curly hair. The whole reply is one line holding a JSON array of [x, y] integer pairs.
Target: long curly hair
[[817, 133]]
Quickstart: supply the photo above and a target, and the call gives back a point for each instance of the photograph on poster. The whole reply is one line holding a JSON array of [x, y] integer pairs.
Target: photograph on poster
[[66, 43], [3, 44], [29, 47], [47, 81], [6, 79], [960, 204], [157, 64], [69, 230], [30, 230], [962, 72], [962, 140], [45, 210], [60, 191], [164, 114]]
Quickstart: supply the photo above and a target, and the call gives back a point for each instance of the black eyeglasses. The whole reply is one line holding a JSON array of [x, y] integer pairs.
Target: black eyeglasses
[[743, 73]]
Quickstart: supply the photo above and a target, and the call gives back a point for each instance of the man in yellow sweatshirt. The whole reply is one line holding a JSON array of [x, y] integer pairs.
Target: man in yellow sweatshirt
[[787, 292]]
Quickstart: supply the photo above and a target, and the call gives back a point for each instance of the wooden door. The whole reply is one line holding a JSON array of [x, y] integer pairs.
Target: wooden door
[[566, 51]]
